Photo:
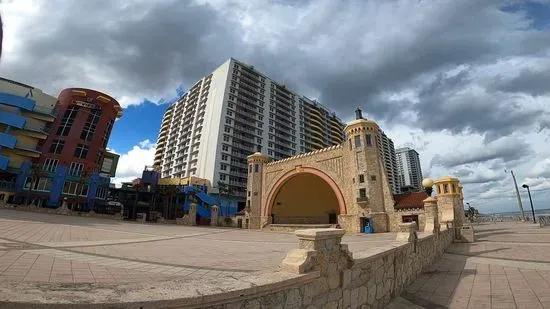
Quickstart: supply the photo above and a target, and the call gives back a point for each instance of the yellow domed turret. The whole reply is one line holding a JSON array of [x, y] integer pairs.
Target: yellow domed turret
[[447, 186]]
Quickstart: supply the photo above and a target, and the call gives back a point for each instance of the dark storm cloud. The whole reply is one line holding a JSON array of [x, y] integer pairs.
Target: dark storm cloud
[[505, 149], [444, 105], [336, 53], [147, 47], [531, 82]]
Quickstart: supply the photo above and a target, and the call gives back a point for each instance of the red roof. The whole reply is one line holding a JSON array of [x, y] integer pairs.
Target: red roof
[[410, 200]]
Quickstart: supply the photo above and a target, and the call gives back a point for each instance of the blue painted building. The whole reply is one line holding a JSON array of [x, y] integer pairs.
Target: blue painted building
[[26, 115]]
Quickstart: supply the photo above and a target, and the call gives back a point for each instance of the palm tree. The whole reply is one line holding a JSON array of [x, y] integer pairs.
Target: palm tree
[[223, 189]]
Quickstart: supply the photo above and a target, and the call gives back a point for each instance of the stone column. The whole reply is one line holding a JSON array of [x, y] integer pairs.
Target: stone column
[[214, 215], [407, 232], [192, 214], [432, 216], [254, 208], [319, 249]]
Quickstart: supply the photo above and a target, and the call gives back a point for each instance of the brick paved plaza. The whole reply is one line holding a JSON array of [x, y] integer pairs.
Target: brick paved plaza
[[507, 267], [49, 248]]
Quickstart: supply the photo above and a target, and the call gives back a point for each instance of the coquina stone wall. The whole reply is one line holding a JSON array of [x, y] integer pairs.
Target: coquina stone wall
[[333, 278]]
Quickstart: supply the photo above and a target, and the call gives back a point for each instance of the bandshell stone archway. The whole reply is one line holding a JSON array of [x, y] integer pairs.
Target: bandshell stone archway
[[283, 179]]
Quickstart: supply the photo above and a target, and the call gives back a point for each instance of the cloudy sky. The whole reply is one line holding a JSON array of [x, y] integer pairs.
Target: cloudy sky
[[466, 83]]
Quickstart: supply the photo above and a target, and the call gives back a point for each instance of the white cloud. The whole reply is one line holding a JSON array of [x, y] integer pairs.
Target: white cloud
[[132, 163], [147, 144]]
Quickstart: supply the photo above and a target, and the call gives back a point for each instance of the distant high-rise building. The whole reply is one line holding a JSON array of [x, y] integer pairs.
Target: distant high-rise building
[[387, 151], [232, 113], [410, 172]]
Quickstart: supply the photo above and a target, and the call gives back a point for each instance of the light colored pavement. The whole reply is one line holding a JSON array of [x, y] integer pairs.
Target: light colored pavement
[[507, 267], [65, 249]]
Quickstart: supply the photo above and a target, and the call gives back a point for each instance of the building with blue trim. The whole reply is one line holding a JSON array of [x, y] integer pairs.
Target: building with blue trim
[[26, 115]]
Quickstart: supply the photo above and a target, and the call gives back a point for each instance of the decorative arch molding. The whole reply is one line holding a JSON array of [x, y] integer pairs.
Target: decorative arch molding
[[302, 170]]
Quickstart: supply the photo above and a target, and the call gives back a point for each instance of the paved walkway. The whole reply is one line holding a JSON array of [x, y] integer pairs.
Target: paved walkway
[[64, 249], [508, 267]]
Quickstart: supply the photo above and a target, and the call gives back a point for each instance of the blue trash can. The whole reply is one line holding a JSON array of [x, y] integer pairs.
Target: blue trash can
[[368, 229]]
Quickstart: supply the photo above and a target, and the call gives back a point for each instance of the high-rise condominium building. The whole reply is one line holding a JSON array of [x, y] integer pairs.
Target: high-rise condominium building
[[232, 113], [410, 172], [387, 151]]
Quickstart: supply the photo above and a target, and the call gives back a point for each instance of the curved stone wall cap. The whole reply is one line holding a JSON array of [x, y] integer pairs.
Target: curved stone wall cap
[[447, 179], [360, 122], [320, 233]]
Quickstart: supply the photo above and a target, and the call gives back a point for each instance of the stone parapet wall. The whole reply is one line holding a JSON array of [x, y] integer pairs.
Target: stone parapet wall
[[61, 211], [365, 280]]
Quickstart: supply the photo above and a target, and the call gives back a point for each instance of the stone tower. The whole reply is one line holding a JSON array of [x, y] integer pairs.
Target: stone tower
[[449, 201], [255, 218], [362, 160]]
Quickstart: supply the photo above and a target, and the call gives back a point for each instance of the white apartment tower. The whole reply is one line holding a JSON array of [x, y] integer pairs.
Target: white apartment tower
[[410, 172], [232, 113]]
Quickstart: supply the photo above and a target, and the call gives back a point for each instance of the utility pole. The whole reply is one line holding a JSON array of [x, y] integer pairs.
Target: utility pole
[[519, 198]]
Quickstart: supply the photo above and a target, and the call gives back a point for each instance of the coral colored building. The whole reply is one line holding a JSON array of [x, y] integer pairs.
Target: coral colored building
[[75, 166]]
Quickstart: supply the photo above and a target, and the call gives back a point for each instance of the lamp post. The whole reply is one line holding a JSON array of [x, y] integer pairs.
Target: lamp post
[[428, 184], [530, 200], [522, 214]]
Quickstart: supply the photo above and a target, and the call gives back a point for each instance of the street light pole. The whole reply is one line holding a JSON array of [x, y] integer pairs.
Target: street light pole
[[530, 200], [522, 214]]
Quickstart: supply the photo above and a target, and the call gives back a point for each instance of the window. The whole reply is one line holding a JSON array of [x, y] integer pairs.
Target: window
[[84, 190], [250, 168], [57, 146], [101, 193], [105, 138], [228, 120], [70, 187], [43, 184], [229, 113], [98, 157], [357, 140], [75, 169], [81, 151], [28, 183], [362, 193], [350, 143], [373, 178], [67, 121], [91, 124], [50, 165], [368, 140], [224, 157], [225, 148], [226, 138], [227, 129], [361, 178], [445, 188], [256, 168], [222, 177], [223, 167]]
